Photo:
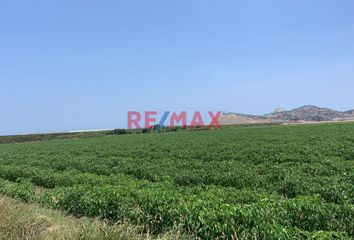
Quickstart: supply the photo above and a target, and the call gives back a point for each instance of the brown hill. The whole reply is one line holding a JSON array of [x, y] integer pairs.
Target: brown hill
[[307, 113]]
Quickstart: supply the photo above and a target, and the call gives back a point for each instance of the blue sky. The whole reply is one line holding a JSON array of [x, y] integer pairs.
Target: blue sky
[[69, 65]]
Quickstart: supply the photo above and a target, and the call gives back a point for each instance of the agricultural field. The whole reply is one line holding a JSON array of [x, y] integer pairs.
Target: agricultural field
[[240, 182]]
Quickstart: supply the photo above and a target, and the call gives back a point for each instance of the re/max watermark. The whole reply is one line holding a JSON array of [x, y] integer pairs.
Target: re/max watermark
[[149, 119]]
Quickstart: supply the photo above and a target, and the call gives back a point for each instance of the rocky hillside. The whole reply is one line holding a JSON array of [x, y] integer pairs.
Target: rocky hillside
[[307, 113]]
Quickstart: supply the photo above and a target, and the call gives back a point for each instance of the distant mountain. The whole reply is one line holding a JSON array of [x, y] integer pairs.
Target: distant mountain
[[350, 112], [307, 113]]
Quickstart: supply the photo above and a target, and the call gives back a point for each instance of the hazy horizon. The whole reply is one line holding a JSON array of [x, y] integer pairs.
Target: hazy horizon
[[82, 65], [158, 117]]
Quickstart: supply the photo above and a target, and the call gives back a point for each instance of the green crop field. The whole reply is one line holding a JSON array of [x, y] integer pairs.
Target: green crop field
[[261, 182]]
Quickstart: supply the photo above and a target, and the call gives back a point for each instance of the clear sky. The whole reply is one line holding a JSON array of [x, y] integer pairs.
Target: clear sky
[[70, 65]]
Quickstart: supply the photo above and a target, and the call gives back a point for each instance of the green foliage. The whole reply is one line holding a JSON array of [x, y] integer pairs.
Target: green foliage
[[23, 190], [264, 182]]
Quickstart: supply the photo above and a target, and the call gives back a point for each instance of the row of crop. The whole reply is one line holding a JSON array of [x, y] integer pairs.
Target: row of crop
[[163, 209], [50, 178], [332, 189], [289, 184]]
